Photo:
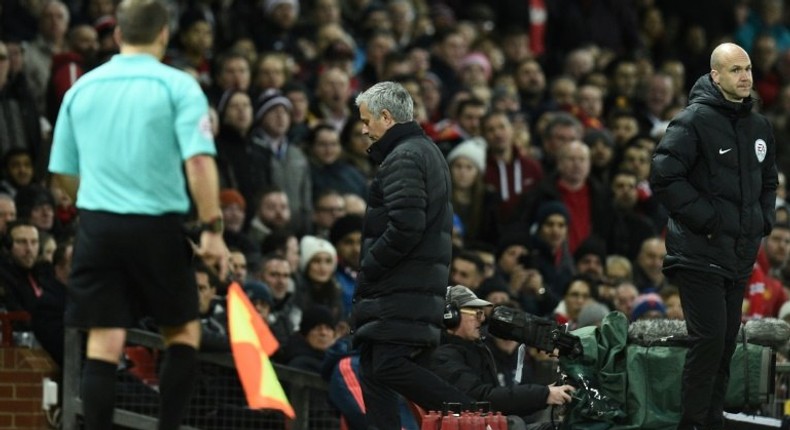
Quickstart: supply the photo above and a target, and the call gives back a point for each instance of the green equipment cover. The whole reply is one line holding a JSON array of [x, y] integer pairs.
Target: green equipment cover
[[622, 386]]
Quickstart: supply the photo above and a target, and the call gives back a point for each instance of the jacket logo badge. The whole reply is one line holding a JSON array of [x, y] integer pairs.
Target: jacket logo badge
[[760, 149]]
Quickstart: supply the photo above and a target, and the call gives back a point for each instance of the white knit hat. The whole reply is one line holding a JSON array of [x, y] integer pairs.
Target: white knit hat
[[474, 149], [310, 246]]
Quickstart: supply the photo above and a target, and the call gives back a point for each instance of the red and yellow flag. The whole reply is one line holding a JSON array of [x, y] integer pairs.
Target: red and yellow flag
[[252, 343]]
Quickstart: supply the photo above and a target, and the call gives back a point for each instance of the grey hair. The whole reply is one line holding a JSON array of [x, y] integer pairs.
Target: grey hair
[[390, 96]]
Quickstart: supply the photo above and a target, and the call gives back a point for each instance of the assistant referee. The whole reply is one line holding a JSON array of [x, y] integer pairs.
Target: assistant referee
[[131, 137]]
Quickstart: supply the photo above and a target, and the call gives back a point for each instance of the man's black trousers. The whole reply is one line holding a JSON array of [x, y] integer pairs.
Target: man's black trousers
[[388, 368], [712, 308]]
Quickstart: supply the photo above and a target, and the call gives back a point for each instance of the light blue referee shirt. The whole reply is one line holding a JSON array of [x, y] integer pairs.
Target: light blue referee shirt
[[125, 129]]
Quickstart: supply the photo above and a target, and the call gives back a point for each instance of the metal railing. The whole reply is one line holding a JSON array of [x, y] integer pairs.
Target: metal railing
[[300, 384]]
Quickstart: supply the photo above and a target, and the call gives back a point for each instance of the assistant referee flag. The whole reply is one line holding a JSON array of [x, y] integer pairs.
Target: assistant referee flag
[[252, 343]]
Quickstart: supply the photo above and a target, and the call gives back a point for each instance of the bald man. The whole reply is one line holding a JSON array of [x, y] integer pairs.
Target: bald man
[[714, 171]]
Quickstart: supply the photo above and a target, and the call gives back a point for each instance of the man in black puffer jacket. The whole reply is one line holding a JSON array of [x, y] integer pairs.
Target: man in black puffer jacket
[[406, 250], [715, 173]]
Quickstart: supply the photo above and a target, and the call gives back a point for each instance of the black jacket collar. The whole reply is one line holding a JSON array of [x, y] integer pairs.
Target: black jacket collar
[[392, 138], [706, 92]]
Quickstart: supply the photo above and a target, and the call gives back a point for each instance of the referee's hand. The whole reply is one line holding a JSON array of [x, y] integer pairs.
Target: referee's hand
[[214, 252]]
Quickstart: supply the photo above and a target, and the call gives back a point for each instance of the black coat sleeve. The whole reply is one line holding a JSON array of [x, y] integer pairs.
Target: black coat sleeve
[[674, 159]]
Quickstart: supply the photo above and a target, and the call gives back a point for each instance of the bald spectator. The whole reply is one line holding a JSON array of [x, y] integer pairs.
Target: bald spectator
[[355, 205], [579, 63], [584, 197]]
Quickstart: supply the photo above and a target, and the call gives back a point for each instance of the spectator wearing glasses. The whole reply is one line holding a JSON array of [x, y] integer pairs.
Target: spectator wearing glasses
[[467, 363]]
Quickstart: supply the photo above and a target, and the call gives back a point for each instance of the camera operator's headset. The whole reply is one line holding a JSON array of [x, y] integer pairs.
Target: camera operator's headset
[[452, 316]]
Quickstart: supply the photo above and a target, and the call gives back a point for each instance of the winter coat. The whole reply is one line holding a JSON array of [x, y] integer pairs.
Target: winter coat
[[406, 242], [715, 172]]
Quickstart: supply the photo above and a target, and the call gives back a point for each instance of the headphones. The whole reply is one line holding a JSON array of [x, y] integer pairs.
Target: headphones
[[452, 317]]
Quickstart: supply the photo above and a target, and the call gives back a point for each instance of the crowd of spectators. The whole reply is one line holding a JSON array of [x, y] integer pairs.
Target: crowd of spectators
[[548, 112]]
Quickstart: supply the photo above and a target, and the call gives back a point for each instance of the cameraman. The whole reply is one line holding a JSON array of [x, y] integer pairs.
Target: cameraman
[[465, 361]]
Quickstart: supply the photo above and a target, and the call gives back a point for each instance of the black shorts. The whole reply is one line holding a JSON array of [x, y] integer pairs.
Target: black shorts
[[126, 267]]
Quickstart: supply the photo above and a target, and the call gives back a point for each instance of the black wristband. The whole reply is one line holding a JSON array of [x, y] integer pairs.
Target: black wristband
[[215, 225]]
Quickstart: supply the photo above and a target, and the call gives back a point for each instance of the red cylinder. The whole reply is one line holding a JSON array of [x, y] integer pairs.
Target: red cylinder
[[465, 421], [450, 422], [478, 422], [431, 421]]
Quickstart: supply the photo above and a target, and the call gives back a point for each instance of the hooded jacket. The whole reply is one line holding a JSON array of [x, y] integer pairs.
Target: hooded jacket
[[715, 172], [406, 244]]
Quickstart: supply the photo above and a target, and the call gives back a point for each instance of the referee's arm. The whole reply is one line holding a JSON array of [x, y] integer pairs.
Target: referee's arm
[[201, 171], [203, 179]]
